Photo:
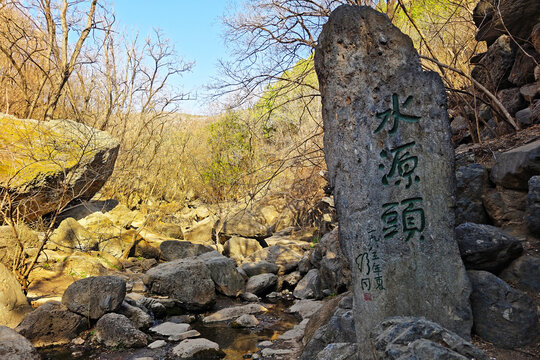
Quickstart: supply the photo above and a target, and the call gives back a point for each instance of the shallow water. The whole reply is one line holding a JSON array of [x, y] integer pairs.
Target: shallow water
[[234, 342]]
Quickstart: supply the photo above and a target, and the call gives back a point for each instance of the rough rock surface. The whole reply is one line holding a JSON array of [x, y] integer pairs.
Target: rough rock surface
[[471, 181], [486, 247], [246, 320], [259, 267], [310, 286], [389, 157], [494, 68], [244, 224], [524, 273], [64, 154], [115, 330], [175, 249], [238, 247], [70, 235], [284, 256], [506, 208], [94, 296], [52, 324], [261, 284], [14, 346], [339, 351], [13, 303], [234, 312], [197, 348], [514, 168], [224, 274], [136, 315], [504, 316], [532, 214], [186, 280], [420, 339]]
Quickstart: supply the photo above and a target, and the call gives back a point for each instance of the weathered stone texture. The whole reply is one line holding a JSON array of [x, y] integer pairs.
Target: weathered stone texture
[[391, 165]]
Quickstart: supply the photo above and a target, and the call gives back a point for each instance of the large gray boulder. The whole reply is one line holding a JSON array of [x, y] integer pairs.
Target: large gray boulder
[[339, 351], [514, 168], [140, 318], [310, 286], [524, 273], [391, 166], [333, 266], [224, 273], [486, 247], [496, 17], [259, 267], [244, 224], [95, 296], [471, 182], [175, 249], [238, 247], [504, 316], [495, 66], [532, 214], [71, 236], [420, 339], [13, 303], [14, 346], [286, 257], [52, 324], [261, 284], [65, 160], [115, 330], [187, 280], [198, 349]]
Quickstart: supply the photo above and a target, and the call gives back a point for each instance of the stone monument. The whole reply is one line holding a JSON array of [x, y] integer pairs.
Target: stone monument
[[391, 166]]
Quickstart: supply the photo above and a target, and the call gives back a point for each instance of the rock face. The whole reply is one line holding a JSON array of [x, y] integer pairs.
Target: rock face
[[224, 274], [52, 324], [310, 286], [174, 249], [13, 303], [496, 64], [16, 347], [391, 165], [38, 185], [503, 316], [114, 330], [532, 216], [261, 284], [70, 236], [420, 339], [485, 247], [514, 168], [238, 248], [524, 273], [471, 182], [94, 296], [186, 280], [244, 224]]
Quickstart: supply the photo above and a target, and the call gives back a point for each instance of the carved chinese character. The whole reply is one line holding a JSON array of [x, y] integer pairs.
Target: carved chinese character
[[390, 220], [413, 218], [403, 165], [396, 115]]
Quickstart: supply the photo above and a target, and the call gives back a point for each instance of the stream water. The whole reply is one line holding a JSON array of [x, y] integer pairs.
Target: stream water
[[236, 343]]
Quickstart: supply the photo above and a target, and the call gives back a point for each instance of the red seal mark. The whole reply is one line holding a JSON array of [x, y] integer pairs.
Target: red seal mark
[[367, 296]]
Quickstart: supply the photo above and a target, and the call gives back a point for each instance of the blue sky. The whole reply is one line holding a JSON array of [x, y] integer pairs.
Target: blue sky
[[193, 26]]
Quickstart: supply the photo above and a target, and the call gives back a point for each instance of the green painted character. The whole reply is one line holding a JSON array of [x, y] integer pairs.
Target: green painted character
[[403, 165], [396, 115]]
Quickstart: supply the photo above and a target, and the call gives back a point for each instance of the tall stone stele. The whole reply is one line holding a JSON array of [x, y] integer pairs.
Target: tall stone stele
[[391, 165]]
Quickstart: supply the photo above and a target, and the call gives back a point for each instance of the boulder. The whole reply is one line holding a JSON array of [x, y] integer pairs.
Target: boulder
[[417, 338], [115, 330], [305, 308], [186, 280], [333, 266], [92, 297], [523, 69], [505, 208], [471, 182], [532, 213], [224, 274], [13, 303], [495, 18], [234, 312], [485, 247], [524, 273], [169, 230], [174, 249], [8, 251], [524, 117], [259, 267], [170, 329], [309, 287], [493, 69], [246, 321], [197, 348], [122, 217], [201, 232], [286, 257], [512, 100], [514, 168], [504, 316], [290, 280], [530, 91], [51, 324], [535, 37], [70, 236], [140, 318], [14, 346], [238, 247], [53, 162], [339, 351], [244, 224], [261, 284]]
